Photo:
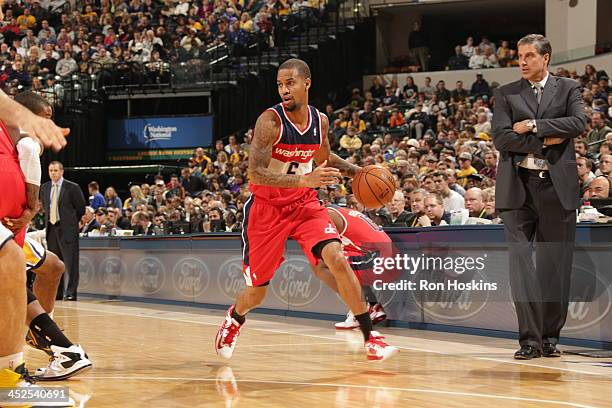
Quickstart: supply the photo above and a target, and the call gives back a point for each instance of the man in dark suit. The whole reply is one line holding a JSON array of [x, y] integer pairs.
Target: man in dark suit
[[64, 205], [88, 221], [534, 123]]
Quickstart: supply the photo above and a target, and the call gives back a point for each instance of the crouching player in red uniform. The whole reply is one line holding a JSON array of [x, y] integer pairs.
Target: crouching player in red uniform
[[362, 241], [288, 137], [67, 359]]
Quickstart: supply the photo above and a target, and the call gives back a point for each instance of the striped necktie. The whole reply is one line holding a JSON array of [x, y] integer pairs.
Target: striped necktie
[[537, 87]]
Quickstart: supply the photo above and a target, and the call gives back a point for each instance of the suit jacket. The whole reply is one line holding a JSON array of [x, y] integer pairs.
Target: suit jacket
[[71, 207], [91, 225], [559, 114]]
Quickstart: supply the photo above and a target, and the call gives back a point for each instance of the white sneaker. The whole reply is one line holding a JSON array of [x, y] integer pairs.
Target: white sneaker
[[65, 363], [349, 324], [377, 313], [377, 349], [227, 335], [20, 379]]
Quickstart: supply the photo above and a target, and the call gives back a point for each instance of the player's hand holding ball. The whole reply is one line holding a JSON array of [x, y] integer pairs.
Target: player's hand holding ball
[[374, 186], [321, 176]]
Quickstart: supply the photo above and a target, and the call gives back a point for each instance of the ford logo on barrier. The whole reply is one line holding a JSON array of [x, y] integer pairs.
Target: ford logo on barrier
[[586, 310], [112, 273], [149, 275], [297, 284], [454, 306], [230, 278], [86, 271], [191, 277]]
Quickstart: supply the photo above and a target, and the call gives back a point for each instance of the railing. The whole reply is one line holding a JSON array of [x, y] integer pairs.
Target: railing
[[211, 65]]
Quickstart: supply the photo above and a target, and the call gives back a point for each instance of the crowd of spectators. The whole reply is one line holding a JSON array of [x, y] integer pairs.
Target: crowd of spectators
[[437, 143], [484, 55], [471, 55], [41, 45]]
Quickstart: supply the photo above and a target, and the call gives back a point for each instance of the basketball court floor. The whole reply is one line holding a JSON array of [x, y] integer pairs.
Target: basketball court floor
[[162, 356]]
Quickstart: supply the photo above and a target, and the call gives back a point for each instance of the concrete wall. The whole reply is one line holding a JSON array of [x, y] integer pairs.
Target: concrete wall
[[572, 30]]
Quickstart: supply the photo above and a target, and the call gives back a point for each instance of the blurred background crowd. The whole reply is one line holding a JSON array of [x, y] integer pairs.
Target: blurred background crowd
[[436, 141]]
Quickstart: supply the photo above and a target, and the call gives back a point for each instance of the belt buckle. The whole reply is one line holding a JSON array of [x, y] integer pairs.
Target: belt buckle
[[541, 174]]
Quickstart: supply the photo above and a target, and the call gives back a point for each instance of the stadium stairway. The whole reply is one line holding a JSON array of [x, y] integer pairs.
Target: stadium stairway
[[338, 56]]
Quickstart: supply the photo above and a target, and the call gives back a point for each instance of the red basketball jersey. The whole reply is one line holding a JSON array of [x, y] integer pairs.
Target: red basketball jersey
[[14, 199], [361, 233], [292, 153]]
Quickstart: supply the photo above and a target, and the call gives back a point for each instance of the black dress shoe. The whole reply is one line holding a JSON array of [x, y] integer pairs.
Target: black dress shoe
[[71, 298], [527, 353], [550, 350]]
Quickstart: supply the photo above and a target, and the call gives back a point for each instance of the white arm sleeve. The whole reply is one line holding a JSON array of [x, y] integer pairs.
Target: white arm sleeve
[[29, 160]]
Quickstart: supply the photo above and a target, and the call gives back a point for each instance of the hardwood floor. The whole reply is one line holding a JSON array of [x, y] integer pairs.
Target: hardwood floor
[[162, 356]]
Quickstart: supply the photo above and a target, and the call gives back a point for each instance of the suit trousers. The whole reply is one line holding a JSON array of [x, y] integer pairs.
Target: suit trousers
[[540, 291], [68, 252]]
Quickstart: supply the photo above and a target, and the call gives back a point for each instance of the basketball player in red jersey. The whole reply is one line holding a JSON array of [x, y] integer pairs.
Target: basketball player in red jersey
[[362, 241], [284, 204]]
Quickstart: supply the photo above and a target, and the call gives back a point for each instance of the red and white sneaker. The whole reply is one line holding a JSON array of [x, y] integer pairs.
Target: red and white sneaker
[[227, 335], [377, 349], [349, 324], [377, 313]]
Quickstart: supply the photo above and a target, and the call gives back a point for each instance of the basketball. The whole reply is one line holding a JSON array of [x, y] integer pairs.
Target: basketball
[[374, 186]]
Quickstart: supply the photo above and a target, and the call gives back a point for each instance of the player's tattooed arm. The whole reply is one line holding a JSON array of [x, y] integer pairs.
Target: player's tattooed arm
[[346, 168], [333, 160], [266, 133]]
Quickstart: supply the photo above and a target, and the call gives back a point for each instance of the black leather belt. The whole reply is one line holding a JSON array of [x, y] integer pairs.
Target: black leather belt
[[543, 174]]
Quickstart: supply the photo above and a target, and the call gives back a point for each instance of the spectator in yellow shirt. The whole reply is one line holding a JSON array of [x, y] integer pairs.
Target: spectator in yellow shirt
[[26, 21], [350, 142], [465, 161], [356, 122], [200, 157], [246, 22]]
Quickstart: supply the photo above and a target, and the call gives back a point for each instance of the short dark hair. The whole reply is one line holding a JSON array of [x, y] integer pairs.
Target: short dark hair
[[94, 185], [435, 196], [217, 210], [293, 63], [440, 174], [55, 162], [33, 101], [587, 162], [541, 43]]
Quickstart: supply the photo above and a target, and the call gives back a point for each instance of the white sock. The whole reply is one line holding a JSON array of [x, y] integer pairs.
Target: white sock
[[11, 361], [51, 314]]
